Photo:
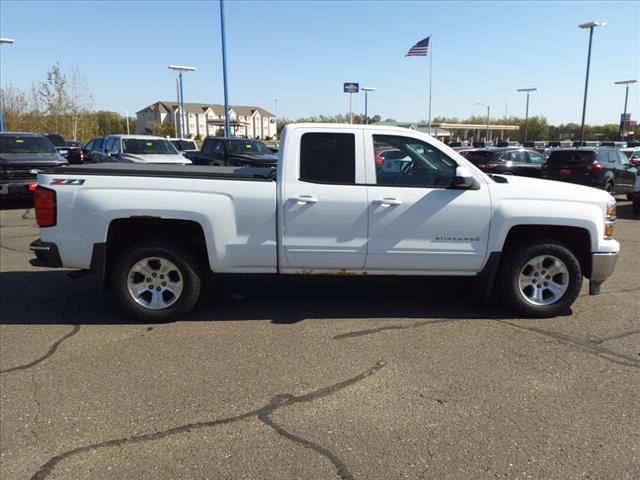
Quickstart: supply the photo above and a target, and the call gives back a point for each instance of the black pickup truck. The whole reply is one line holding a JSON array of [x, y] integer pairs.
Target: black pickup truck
[[22, 155], [233, 152], [72, 153]]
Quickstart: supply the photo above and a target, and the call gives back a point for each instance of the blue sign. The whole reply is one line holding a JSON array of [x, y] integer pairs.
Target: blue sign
[[351, 87]]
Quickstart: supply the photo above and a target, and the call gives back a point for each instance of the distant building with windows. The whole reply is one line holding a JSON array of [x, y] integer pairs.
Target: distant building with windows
[[208, 119]]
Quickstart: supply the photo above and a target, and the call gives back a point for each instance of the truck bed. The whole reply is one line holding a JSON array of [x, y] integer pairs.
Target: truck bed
[[168, 170]]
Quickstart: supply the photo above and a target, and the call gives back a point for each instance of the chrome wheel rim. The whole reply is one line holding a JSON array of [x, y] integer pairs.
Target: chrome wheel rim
[[543, 280], [155, 283]]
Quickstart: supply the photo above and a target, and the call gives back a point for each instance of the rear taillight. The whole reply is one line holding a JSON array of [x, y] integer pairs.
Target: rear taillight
[[81, 156], [490, 166], [44, 199], [32, 187], [595, 167]]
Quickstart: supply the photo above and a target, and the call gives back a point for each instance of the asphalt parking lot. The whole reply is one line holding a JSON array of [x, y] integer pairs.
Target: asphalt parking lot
[[315, 378]]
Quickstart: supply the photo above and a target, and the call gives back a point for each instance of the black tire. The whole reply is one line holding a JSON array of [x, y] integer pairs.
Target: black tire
[[187, 270], [636, 206], [517, 258]]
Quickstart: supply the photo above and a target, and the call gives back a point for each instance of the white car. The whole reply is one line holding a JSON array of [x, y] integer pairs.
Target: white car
[[326, 210], [139, 149], [184, 145]]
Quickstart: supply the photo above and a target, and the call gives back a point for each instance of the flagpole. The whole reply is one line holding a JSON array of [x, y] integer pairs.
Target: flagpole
[[430, 52]]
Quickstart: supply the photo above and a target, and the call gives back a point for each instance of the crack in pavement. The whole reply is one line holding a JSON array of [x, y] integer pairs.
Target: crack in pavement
[[277, 402], [601, 340], [54, 347], [371, 331], [14, 249], [583, 345]]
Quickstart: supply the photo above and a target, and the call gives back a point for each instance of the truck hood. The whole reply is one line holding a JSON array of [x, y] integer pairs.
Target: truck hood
[[25, 159], [129, 157], [254, 158], [539, 189]]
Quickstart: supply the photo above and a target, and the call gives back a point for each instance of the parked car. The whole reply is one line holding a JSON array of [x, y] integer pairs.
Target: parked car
[[236, 152], [483, 144], [633, 153], [89, 150], [184, 145], [599, 167], [635, 196], [507, 161], [72, 154], [509, 143], [22, 155], [325, 210], [138, 149]]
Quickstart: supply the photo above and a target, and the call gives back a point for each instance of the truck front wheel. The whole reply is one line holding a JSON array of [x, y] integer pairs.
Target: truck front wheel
[[156, 281], [540, 278]]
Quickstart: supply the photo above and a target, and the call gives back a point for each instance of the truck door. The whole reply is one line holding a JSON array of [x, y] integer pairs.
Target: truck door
[[324, 209], [416, 221]]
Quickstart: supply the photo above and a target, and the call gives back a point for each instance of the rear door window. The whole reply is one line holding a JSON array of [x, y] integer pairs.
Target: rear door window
[[536, 158], [207, 148], [109, 144], [328, 158]]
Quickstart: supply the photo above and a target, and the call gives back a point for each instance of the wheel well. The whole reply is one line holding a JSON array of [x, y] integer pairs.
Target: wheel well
[[125, 231], [576, 238]]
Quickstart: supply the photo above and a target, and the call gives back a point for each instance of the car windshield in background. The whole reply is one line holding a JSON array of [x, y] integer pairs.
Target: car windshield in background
[[572, 156], [184, 145], [475, 157], [57, 140], [141, 146], [25, 144], [248, 147]]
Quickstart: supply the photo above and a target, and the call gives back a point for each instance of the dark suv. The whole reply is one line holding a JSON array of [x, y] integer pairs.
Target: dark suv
[[506, 161], [598, 167]]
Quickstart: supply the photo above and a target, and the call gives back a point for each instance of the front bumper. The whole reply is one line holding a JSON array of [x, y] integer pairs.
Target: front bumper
[[47, 254], [602, 266]]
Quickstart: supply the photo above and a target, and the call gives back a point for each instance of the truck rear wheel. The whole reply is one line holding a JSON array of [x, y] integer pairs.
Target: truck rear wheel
[[156, 281], [540, 278]]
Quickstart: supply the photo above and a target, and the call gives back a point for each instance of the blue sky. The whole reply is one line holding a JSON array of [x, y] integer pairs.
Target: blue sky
[[302, 52]]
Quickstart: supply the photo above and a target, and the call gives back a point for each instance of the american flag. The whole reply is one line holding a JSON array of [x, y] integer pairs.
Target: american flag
[[420, 49]]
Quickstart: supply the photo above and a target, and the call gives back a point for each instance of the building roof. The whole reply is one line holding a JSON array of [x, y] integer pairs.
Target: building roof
[[218, 109]]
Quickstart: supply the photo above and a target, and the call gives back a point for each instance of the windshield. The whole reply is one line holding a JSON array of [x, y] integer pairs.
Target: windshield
[[247, 147], [152, 146], [184, 145], [25, 144], [476, 157]]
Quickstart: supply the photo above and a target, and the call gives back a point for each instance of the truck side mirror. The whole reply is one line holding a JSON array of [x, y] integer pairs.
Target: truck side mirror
[[464, 179]]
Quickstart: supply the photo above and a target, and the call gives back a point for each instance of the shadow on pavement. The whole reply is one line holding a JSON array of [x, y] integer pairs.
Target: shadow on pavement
[[51, 297], [15, 203]]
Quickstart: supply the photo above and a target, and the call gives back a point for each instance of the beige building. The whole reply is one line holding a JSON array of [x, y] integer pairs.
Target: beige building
[[208, 119]]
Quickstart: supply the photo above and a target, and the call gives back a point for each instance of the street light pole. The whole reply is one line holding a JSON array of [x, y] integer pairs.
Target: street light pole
[[227, 128], [526, 115], [488, 114], [366, 90], [183, 117], [8, 41], [626, 97], [590, 26]]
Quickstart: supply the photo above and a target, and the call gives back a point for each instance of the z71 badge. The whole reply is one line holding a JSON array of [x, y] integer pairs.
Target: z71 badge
[[67, 181]]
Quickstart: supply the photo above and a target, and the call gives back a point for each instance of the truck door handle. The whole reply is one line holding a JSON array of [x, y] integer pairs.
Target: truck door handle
[[304, 199], [386, 202]]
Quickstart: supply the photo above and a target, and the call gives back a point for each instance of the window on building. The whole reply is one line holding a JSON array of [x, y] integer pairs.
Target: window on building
[[328, 158]]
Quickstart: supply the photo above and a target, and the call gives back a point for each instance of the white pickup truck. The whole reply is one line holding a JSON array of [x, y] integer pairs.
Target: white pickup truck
[[336, 204]]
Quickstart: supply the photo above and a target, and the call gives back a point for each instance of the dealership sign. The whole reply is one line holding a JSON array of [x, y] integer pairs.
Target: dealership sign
[[351, 87]]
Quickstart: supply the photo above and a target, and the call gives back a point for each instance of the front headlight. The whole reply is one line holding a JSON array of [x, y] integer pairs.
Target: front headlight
[[610, 221]]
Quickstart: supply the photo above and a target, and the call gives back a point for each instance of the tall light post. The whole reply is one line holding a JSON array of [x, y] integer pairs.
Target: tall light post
[[227, 128], [626, 97], [3, 41], [366, 90], [183, 117], [488, 112], [590, 26], [526, 115]]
